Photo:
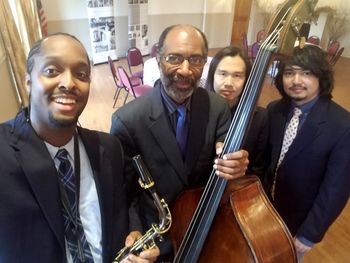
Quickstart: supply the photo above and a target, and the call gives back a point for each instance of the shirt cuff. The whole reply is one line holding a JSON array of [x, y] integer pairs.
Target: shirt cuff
[[305, 241]]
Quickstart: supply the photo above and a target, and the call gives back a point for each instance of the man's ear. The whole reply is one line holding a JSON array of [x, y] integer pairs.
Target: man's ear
[[28, 82]]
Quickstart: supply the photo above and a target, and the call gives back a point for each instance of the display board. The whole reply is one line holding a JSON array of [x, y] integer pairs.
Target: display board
[[102, 30]]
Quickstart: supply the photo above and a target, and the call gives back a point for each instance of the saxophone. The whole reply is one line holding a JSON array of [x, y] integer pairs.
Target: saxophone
[[147, 241]]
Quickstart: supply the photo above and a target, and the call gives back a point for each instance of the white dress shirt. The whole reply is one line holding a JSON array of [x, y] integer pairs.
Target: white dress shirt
[[89, 207]]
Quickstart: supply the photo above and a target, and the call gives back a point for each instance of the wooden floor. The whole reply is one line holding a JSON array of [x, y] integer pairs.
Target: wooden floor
[[335, 247]]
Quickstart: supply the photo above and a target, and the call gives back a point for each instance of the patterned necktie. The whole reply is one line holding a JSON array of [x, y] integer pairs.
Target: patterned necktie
[[182, 129], [288, 138], [73, 228]]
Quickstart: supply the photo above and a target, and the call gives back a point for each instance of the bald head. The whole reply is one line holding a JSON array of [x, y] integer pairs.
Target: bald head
[[180, 30]]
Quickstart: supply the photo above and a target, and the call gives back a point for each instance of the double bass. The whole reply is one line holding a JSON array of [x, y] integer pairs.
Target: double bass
[[235, 222]]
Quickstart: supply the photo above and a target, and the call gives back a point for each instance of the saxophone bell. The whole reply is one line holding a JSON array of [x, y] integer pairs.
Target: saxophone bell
[[147, 241]]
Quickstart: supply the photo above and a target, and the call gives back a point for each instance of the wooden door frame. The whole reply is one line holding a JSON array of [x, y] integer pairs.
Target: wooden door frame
[[240, 20]]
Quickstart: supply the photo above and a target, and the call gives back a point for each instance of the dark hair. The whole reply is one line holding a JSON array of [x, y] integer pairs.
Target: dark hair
[[169, 28], [37, 48], [312, 58], [229, 51]]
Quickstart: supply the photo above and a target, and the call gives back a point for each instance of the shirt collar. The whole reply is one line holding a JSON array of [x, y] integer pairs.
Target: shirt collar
[[306, 107], [69, 147]]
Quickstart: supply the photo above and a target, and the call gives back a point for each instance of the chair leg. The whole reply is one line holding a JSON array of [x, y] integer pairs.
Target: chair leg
[[116, 96], [119, 90], [115, 101], [127, 94], [115, 93]]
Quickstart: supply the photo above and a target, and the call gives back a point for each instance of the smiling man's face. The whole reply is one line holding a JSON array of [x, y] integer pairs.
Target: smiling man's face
[[59, 82]]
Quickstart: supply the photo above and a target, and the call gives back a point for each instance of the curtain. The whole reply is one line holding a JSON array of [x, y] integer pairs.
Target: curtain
[[14, 49], [30, 21], [18, 38]]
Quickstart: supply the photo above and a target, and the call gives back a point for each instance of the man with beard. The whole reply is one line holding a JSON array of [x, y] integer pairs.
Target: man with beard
[[149, 126], [61, 186], [308, 179]]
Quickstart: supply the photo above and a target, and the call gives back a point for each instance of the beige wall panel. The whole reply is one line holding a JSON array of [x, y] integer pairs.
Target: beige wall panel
[[179, 7], [121, 31], [218, 29], [76, 27], [217, 26], [157, 23], [80, 29]]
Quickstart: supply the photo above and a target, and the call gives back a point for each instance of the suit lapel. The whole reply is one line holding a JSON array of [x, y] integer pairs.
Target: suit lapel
[[163, 135], [278, 119], [102, 172], [41, 174], [199, 120], [310, 129]]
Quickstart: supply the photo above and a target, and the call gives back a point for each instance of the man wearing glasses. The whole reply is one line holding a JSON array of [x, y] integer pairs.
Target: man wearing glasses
[[177, 128]]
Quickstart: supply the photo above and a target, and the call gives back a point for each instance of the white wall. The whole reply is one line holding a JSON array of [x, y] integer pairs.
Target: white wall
[[163, 7], [217, 21], [317, 29], [256, 23], [65, 9], [70, 17], [214, 17]]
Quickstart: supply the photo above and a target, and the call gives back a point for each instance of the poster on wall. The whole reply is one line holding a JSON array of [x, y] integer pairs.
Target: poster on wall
[[102, 30], [138, 25]]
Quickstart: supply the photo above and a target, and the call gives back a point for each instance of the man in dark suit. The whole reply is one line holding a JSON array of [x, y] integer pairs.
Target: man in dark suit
[[37, 222], [148, 125], [309, 187], [227, 75]]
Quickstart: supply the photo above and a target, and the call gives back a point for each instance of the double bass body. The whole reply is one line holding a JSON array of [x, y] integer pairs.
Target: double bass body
[[246, 227]]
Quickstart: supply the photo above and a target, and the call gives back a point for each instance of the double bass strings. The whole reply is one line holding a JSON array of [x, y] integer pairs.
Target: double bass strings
[[215, 187]]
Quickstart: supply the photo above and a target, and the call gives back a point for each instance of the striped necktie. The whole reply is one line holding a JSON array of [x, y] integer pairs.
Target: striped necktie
[[73, 228]]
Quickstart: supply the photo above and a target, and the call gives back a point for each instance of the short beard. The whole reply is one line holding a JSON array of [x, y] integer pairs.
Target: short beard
[[62, 123], [178, 95]]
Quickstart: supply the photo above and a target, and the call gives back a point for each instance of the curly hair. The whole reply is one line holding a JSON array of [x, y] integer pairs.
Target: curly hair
[[311, 58]]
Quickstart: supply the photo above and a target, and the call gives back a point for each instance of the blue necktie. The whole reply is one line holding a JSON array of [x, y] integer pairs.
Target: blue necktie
[[73, 228], [182, 129]]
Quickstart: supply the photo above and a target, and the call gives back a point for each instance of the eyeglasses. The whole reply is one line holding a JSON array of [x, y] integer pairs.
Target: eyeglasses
[[175, 59]]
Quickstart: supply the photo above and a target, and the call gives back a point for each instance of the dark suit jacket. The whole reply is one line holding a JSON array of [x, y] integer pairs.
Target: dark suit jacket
[[313, 181], [255, 142], [143, 128], [31, 224]]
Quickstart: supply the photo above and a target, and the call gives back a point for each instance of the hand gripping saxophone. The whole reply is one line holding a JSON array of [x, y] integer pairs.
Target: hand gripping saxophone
[[147, 241]]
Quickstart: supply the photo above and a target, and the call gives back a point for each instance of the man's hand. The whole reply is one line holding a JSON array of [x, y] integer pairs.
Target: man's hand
[[147, 256], [232, 165]]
